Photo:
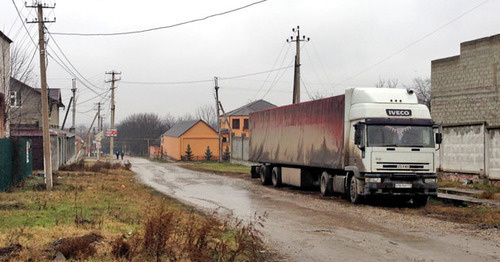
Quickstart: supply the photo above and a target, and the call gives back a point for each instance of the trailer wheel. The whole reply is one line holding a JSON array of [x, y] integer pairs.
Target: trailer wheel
[[276, 176], [420, 201], [265, 176], [353, 191], [325, 184]]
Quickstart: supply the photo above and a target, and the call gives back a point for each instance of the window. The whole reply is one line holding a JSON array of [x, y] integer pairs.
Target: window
[[15, 98], [245, 124], [398, 135], [236, 124]]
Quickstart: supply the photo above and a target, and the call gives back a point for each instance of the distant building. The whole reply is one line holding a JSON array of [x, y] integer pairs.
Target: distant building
[[195, 133], [26, 122], [239, 121], [4, 84], [26, 108], [466, 105]]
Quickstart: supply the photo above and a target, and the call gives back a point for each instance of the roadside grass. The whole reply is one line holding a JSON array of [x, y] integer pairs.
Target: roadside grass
[[105, 215], [224, 167], [490, 191], [482, 216]]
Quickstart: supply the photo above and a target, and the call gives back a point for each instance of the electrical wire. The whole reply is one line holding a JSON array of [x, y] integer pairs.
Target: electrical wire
[[161, 27], [409, 45], [71, 64], [20, 18]]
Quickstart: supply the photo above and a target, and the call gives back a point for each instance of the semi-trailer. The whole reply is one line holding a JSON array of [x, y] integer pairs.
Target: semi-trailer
[[367, 142]]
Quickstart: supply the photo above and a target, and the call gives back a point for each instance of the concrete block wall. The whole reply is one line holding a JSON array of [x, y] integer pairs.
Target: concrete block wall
[[465, 88]]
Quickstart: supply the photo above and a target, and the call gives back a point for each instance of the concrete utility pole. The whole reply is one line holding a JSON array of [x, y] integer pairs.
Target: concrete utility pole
[[73, 89], [45, 97], [296, 74], [218, 115], [111, 138]]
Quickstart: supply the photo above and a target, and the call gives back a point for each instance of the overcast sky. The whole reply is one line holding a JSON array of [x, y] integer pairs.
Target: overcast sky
[[353, 43]]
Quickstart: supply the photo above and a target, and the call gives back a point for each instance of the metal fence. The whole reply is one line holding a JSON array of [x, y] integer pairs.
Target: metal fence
[[15, 161]]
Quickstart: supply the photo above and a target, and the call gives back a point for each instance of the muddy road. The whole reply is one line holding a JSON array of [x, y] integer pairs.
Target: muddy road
[[306, 228]]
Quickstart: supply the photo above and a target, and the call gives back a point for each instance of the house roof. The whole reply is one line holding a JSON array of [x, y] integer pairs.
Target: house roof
[[54, 93], [254, 106], [180, 128], [2, 35]]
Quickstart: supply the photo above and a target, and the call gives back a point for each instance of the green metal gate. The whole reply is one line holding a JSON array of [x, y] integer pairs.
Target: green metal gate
[[5, 164], [15, 161]]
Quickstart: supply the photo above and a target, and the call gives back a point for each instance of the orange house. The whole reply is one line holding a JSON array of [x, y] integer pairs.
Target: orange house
[[240, 122], [195, 133]]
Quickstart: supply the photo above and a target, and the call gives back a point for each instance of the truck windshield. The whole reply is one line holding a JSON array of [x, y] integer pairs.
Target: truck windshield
[[400, 136]]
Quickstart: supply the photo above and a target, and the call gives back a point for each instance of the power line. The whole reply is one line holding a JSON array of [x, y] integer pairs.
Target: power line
[[411, 44], [24, 25], [204, 81], [71, 64], [162, 27]]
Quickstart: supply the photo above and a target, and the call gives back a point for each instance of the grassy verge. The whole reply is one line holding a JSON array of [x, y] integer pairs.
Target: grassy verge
[[102, 214], [217, 167], [490, 191]]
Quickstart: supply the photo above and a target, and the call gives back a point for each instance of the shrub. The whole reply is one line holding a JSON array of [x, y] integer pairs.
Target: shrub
[[208, 154], [189, 153]]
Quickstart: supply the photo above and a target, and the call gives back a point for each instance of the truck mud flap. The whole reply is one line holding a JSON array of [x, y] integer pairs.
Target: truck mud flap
[[254, 173]]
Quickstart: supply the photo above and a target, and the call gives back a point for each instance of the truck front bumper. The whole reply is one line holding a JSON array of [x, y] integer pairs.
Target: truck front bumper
[[392, 186]]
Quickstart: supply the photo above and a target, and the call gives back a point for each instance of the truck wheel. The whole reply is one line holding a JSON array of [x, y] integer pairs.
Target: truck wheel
[[265, 176], [276, 176], [420, 201], [325, 184], [353, 191]]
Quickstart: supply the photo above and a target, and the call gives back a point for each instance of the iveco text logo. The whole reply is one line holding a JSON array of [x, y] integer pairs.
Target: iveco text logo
[[398, 112]]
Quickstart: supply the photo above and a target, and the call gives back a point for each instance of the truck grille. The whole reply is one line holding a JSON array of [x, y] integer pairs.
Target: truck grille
[[397, 166]]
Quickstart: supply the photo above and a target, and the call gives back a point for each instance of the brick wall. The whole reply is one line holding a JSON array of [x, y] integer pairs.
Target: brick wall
[[465, 88]]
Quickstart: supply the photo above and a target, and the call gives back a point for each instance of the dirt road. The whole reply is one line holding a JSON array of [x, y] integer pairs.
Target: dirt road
[[305, 228]]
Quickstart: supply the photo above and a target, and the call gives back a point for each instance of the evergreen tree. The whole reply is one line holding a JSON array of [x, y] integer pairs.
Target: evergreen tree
[[189, 153], [226, 156], [208, 154]]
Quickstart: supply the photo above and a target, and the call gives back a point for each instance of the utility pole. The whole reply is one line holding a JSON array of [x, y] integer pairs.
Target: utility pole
[[45, 99], [73, 89], [111, 138], [218, 115], [99, 119], [296, 74]]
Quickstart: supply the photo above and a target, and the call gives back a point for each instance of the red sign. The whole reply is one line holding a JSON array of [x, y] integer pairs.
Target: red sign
[[111, 132]]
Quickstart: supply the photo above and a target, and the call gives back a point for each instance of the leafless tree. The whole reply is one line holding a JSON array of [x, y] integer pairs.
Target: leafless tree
[[422, 87], [207, 113], [389, 83], [22, 66], [136, 130]]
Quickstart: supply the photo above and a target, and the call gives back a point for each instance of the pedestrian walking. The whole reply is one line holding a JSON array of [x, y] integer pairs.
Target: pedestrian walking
[[117, 155], [121, 154]]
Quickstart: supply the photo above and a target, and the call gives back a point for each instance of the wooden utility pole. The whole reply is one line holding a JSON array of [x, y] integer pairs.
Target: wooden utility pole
[[99, 119], [44, 93], [111, 138], [296, 74], [73, 89], [218, 115]]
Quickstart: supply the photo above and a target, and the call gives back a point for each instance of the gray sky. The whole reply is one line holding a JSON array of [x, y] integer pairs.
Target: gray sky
[[353, 43]]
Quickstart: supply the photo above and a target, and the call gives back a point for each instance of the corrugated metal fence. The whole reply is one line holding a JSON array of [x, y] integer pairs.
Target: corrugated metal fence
[[15, 161]]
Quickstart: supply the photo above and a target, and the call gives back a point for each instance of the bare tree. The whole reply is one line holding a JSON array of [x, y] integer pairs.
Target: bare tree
[[207, 113], [422, 87], [389, 83], [138, 130], [22, 66]]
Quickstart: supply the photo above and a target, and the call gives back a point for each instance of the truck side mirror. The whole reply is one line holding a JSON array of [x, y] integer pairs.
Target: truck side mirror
[[358, 135], [439, 138]]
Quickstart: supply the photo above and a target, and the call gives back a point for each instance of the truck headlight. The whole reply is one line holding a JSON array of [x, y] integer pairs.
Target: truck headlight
[[373, 180], [430, 180]]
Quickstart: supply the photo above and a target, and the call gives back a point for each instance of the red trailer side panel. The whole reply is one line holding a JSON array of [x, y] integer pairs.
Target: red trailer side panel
[[306, 134]]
